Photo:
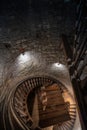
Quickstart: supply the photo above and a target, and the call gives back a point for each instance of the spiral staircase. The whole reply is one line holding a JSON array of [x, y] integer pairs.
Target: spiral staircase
[[20, 102]]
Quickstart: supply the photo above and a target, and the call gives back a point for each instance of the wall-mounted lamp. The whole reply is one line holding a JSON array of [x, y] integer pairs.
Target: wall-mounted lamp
[[22, 50]]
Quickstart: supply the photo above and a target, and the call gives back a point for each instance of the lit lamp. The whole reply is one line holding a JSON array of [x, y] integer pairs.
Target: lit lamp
[[22, 50]]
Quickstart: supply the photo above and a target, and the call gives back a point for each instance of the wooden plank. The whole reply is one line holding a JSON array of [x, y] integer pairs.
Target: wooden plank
[[55, 108], [56, 113], [67, 47], [53, 121]]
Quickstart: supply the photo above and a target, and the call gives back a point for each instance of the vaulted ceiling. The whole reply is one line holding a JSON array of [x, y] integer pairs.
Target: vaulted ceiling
[[30, 42]]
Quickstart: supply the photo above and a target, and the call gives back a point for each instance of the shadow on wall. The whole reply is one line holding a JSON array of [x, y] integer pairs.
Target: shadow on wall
[[13, 5], [19, 6]]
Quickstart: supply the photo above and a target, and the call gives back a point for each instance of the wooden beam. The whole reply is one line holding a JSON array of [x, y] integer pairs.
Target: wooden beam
[[67, 47]]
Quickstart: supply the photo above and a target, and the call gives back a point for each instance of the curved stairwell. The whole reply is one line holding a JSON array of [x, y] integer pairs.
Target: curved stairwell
[[20, 102], [68, 125]]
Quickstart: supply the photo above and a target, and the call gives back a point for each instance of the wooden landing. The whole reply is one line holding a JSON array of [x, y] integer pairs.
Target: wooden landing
[[56, 110]]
